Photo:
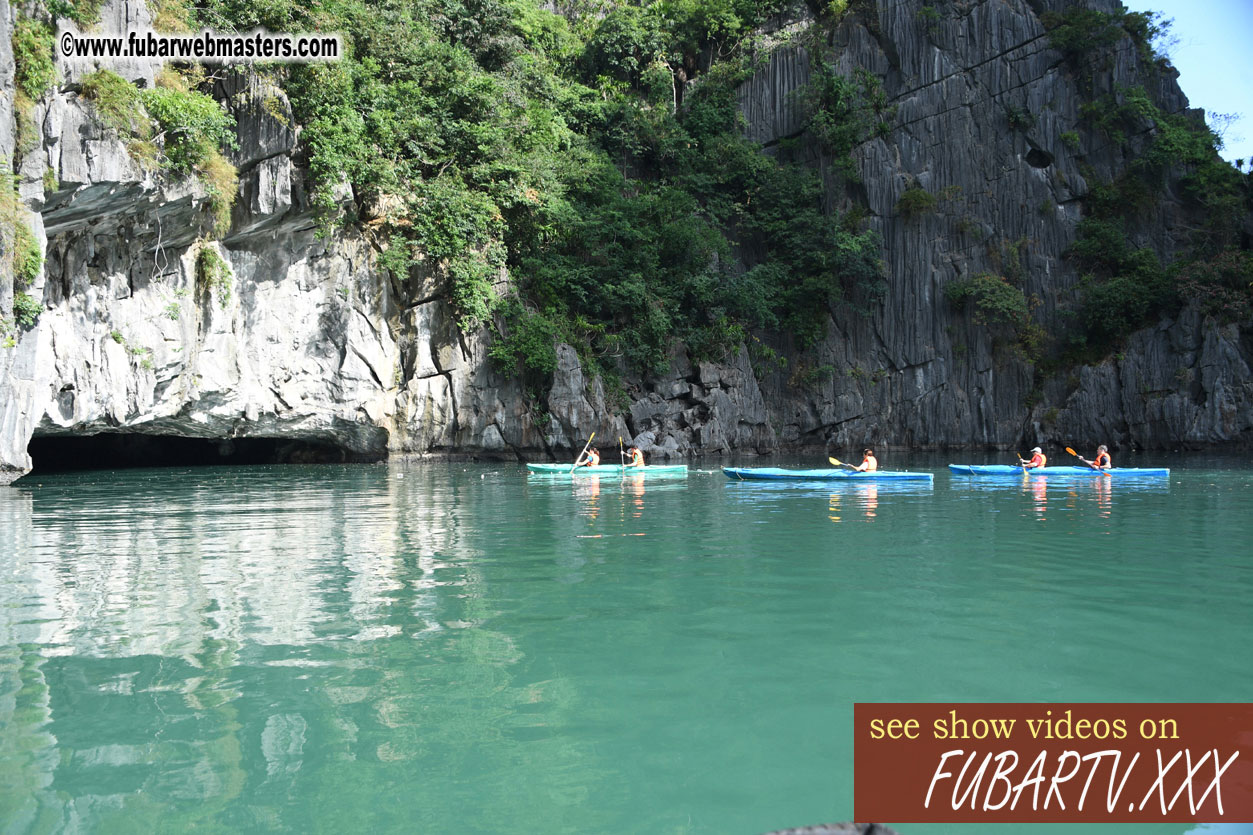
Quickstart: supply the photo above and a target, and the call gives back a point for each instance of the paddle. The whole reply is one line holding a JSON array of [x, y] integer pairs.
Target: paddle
[[585, 446], [1022, 462], [621, 454], [837, 462], [1086, 461]]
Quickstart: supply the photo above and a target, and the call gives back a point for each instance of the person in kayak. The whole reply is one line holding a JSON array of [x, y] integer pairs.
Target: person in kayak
[[1102, 461], [868, 462], [592, 460], [1038, 460], [637, 457]]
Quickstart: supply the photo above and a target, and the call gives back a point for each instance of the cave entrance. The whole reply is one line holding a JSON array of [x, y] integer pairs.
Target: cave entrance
[[111, 451]]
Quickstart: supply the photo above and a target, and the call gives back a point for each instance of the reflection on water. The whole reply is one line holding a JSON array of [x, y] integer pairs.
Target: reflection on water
[[245, 551], [1098, 492], [1104, 491], [462, 648], [1039, 489], [1079, 485], [624, 496], [845, 499], [178, 653], [635, 485], [587, 491], [863, 500]]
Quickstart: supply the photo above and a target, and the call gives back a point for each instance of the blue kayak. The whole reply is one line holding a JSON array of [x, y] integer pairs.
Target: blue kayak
[[777, 474], [609, 469], [1009, 470]]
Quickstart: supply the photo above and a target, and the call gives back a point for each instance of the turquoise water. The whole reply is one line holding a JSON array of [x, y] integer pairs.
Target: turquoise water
[[463, 648]]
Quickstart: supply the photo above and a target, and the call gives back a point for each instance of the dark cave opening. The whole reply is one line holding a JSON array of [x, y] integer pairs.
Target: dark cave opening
[[1039, 158], [112, 451]]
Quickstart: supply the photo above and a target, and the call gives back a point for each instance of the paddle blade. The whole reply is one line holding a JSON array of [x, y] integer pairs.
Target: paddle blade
[[837, 462], [1072, 452]]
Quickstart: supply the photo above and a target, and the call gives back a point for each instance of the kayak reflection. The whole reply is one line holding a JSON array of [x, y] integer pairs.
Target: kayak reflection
[[1039, 490], [620, 498], [852, 499], [634, 485], [587, 492], [863, 500], [1103, 489]]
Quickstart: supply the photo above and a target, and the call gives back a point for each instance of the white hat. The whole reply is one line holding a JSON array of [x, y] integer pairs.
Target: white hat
[[1037, 449]]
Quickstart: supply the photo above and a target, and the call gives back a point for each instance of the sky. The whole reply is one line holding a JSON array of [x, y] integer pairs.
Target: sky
[[1214, 56]]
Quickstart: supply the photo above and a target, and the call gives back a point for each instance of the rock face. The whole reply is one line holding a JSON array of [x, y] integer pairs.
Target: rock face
[[1186, 381], [153, 324], [919, 372]]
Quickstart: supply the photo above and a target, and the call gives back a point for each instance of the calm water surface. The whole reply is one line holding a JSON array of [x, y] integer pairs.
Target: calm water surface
[[463, 648]]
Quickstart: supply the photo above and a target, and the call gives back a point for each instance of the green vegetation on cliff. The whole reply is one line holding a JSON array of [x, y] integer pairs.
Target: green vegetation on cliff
[[595, 159], [213, 274], [20, 253], [192, 126], [489, 136], [1125, 285], [33, 75]]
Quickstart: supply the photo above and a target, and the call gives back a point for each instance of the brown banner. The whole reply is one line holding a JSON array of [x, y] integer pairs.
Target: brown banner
[[1076, 763]]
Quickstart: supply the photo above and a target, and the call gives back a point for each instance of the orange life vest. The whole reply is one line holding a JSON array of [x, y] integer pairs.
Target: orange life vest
[[1038, 460], [1102, 460], [637, 459], [869, 464]]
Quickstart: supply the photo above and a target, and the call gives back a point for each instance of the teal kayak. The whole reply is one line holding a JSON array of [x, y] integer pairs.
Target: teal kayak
[[1009, 470], [777, 474], [609, 469]]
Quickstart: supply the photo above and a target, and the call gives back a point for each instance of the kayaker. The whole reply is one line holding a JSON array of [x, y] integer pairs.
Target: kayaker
[[1102, 461], [868, 462], [637, 457], [1037, 460], [593, 458]]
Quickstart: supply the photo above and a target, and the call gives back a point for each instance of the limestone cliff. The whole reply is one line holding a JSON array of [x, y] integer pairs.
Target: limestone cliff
[[919, 372], [299, 335], [299, 338]]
